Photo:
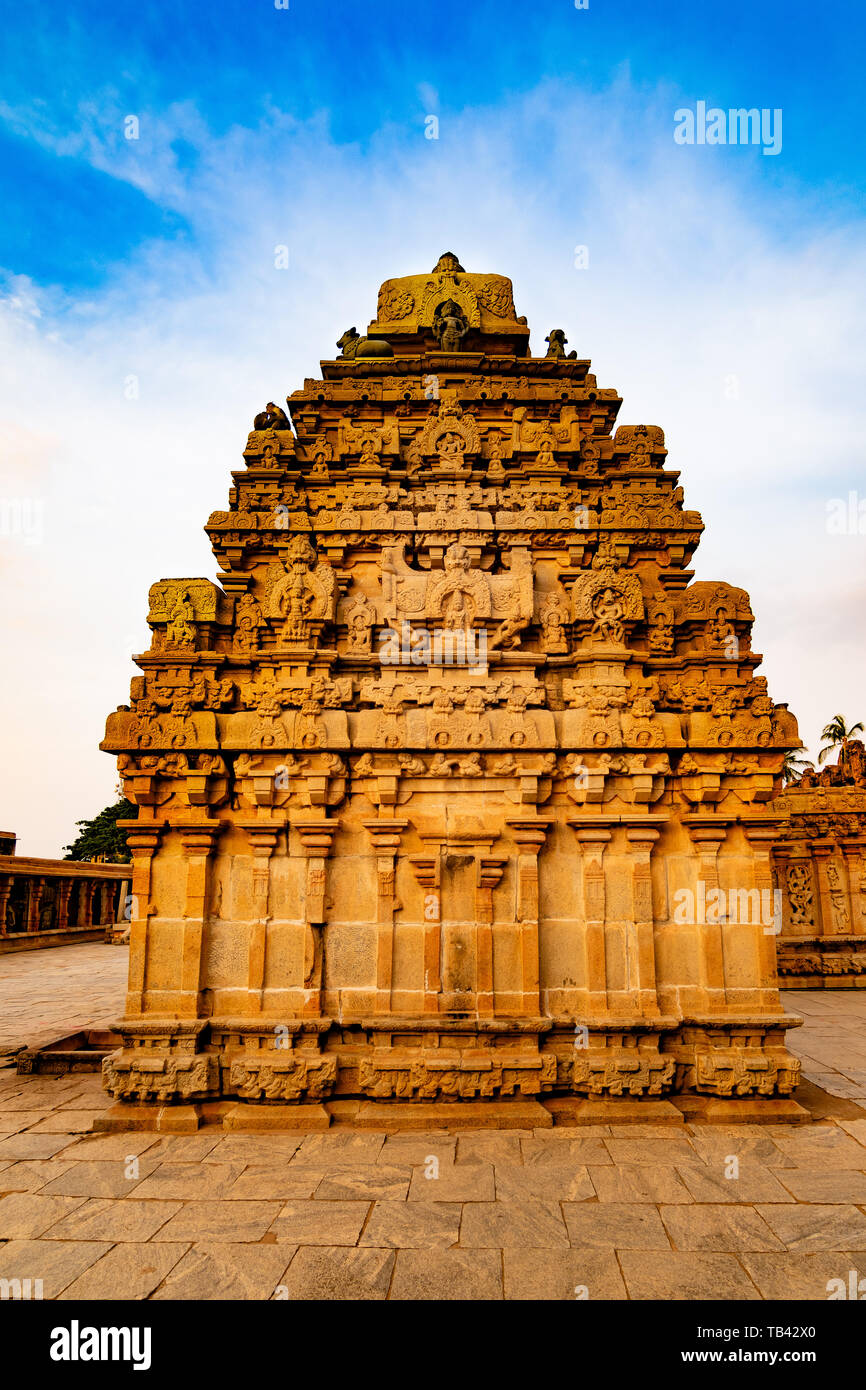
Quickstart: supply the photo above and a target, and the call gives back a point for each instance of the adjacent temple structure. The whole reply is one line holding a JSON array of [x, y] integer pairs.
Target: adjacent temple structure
[[455, 789]]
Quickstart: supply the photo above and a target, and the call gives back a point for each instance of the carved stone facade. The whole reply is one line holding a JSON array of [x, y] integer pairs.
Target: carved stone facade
[[436, 783], [820, 865]]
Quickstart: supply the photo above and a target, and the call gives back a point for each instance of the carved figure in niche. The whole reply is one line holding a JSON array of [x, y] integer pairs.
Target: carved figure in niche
[[248, 620], [719, 628], [837, 899], [553, 615], [180, 631], [298, 592], [369, 458], [608, 611], [800, 895], [360, 617], [495, 467], [272, 418], [461, 593], [449, 326], [450, 448], [661, 629], [545, 453]]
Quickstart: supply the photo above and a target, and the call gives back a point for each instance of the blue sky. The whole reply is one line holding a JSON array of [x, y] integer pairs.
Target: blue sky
[[143, 320], [365, 68]]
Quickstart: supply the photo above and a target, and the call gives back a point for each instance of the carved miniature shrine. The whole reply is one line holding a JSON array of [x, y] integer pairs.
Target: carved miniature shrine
[[441, 784]]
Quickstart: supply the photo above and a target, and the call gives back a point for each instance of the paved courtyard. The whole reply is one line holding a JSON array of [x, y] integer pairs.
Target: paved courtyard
[[604, 1211]]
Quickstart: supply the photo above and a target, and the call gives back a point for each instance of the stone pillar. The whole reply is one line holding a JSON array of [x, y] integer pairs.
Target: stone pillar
[[385, 834], [263, 839], [5, 890], [641, 932], [761, 835], [489, 869], [64, 892], [34, 902], [528, 833], [316, 835], [708, 838], [142, 841], [593, 841], [427, 871], [86, 889]]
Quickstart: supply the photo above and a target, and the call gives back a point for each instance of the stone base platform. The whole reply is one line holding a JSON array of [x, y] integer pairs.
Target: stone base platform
[[453, 1116]]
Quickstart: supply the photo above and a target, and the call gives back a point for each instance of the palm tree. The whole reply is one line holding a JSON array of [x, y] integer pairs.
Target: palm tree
[[793, 767], [837, 733]]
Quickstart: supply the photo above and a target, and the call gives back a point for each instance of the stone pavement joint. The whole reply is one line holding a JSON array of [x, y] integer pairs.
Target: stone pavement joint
[[605, 1212]]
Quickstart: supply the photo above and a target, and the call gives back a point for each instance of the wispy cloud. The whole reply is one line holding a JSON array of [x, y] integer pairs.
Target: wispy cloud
[[730, 317]]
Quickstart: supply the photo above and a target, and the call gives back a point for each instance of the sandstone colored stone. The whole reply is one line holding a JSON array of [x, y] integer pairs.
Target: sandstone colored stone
[[336, 1273], [456, 792], [685, 1277], [226, 1272], [128, 1272], [443, 1276]]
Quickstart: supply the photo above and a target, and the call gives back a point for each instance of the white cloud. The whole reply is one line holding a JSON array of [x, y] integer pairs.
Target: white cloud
[[696, 276]]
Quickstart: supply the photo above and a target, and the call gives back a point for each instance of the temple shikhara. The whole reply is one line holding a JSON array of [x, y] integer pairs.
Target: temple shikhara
[[455, 789]]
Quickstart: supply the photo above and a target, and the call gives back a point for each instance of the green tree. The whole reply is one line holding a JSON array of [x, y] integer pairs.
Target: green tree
[[837, 733], [102, 838], [794, 767]]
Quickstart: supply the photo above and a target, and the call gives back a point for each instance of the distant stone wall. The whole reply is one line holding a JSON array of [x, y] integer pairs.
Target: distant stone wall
[[52, 902], [819, 866]]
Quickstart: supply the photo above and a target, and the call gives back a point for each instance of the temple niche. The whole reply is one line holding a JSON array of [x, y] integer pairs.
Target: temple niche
[[455, 790]]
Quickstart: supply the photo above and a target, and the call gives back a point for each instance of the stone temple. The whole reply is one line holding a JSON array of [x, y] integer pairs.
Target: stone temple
[[441, 785]]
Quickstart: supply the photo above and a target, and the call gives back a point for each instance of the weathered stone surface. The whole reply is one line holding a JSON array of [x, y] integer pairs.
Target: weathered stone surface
[[335, 1273], [444, 1276], [127, 1272], [682, 1276], [456, 791], [226, 1271]]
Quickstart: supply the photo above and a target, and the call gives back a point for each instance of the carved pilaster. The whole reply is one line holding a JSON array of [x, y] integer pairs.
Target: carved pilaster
[[489, 869], [198, 839], [641, 934], [708, 838], [263, 836], [316, 835], [761, 834], [593, 841], [385, 835], [528, 833], [142, 842], [427, 870]]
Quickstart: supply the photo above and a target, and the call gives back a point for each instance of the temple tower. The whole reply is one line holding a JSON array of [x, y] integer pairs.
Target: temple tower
[[454, 786]]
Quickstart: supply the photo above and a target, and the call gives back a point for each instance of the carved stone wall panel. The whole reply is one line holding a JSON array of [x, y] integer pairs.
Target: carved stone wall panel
[[433, 750]]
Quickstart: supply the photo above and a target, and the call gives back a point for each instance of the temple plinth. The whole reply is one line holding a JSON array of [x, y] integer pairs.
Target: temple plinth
[[455, 787]]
